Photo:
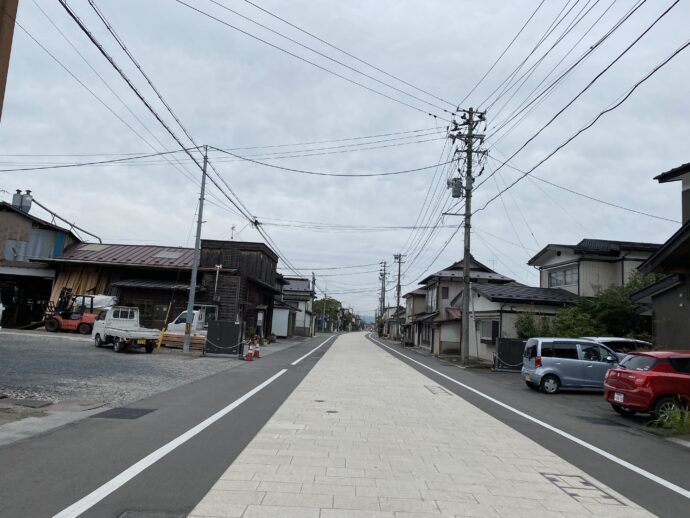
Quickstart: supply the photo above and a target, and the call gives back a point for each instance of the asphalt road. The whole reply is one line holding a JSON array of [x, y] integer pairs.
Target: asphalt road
[[586, 416], [51, 472]]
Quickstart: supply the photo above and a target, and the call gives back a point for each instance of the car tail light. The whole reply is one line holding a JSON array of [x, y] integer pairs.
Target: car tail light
[[537, 361], [642, 380]]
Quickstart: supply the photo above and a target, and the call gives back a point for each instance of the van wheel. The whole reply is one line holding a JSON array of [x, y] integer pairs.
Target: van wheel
[[624, 411], [532, 385], [550, 384], [664, 406], [97, 341]]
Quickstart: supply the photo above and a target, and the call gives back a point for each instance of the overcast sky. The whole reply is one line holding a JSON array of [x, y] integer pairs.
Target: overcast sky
[[233, 91]]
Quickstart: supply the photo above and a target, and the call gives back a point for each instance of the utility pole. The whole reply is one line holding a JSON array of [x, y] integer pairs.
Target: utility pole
[[382, 277], [195, 260], [398, 259], [323, 313], [312, 327], [8, 12], [470, 119]]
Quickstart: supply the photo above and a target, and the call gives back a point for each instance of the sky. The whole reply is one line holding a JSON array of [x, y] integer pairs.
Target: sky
[[259, 100]]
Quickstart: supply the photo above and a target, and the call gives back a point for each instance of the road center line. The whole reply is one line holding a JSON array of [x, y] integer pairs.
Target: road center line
[[642, 472], [314, 349], [114, 484]]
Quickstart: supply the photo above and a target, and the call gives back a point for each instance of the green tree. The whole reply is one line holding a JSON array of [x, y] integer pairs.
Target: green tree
[[574, 321], [529, 325], [332, 308]]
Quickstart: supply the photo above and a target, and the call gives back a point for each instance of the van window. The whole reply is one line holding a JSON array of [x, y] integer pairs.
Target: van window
[[567, 350], [547, 349], [594, 353], [530, 351]]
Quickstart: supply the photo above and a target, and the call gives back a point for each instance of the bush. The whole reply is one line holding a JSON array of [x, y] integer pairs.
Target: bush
[[528, 325], [677, 420]]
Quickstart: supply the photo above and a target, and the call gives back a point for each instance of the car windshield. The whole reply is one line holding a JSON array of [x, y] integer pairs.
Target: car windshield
[[638, 362]]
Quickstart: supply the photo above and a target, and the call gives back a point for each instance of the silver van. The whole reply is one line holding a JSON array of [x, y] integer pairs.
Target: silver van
[[553, 363]]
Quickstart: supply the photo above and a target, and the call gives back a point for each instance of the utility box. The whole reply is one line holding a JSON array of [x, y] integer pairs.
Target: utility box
[[223, 338], [456, 188]]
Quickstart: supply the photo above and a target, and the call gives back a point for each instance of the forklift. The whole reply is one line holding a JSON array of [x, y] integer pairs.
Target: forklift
[[70, 313]]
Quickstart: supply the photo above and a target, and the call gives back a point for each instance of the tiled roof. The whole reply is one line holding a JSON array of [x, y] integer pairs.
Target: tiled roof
[[129, 255], [602, 246], [525, 294]]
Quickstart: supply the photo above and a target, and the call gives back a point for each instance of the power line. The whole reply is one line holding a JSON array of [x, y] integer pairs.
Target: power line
[[589, 85], [502, 53], [353, 69], [316, 173], [595, 120], [349, 54], [320, 67]]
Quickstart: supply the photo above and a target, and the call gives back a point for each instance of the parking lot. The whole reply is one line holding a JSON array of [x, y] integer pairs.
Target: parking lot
[[67, 367]]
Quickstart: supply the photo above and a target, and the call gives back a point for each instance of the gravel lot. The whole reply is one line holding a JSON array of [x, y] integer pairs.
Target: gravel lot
[[59, 367]]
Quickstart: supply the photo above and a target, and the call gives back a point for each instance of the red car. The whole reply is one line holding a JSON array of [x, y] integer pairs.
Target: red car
[[650, 381]]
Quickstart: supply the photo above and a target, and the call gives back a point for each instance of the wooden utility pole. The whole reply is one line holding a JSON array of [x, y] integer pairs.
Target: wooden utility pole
[[398, 259], [8, 12], [470, 118], [195, 260]]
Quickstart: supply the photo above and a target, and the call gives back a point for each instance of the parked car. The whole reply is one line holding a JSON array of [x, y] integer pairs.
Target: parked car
[[550, 364], [622, 346], [654, 381]]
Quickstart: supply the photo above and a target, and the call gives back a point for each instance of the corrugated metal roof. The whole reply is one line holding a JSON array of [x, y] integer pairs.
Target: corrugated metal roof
[[40, 221], [605, 246], [129, 255], [154, 285]]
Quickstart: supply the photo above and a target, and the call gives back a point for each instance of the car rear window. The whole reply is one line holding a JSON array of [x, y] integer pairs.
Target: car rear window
[[638, 362], [565, 350], [530, 351], [681, 364]]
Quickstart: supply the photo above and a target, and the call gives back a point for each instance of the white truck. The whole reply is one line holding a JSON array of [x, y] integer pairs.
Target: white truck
[[119, 326], [202, 315]]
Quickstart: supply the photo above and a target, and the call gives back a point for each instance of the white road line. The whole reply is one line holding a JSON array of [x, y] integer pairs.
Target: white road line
[[644, 473], [314, 349], [114, 484]]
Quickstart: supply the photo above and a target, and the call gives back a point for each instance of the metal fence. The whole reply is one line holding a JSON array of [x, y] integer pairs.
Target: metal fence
[[509, 354]]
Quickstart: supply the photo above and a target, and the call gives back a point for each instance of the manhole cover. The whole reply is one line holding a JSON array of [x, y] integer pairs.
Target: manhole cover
[[581, 489], [437, 390], [124, 413]]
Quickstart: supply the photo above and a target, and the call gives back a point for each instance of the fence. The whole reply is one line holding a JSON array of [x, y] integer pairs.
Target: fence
[[508, 355]]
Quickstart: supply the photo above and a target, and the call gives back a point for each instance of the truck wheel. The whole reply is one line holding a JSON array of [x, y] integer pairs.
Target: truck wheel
[[52, 325], [149, 346], [118, 345], [97, 341], [84, 329]]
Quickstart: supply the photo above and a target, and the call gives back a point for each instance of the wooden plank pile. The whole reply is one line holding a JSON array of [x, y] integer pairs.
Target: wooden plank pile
[[176, 340]]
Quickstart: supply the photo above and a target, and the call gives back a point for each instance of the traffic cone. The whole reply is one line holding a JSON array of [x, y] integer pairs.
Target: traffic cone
[[249, 355], [257, 349]]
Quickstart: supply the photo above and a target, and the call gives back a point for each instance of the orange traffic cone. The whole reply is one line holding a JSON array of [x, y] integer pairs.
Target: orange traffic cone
[[257, 350], [249, 355]]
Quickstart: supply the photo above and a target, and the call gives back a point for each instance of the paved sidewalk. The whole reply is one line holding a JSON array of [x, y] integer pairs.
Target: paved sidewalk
[[366, 436]]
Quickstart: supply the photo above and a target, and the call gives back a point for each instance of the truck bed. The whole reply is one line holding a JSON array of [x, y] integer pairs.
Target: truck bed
[[132, 334]]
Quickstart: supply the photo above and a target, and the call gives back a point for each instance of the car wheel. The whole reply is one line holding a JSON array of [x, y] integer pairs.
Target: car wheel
[[84, 329], [532, 385], [665, 405], [52, 325], [97, 341], [624, 411], [550, 384]]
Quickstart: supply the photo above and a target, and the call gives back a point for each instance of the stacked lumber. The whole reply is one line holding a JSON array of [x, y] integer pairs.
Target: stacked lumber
[[176, 340]]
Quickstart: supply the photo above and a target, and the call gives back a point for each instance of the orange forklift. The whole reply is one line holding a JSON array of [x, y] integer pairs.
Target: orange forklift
[[71, 313]]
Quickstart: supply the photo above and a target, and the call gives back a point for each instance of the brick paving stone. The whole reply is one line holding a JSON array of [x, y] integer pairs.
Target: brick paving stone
[[380, 444]]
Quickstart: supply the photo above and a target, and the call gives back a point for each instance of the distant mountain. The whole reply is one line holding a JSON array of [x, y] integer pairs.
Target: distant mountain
[[369, 319]]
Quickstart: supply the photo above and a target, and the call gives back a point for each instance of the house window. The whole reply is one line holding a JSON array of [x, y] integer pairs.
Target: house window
[[488, 331], [565, 277], [431, 299], [444, 293]]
